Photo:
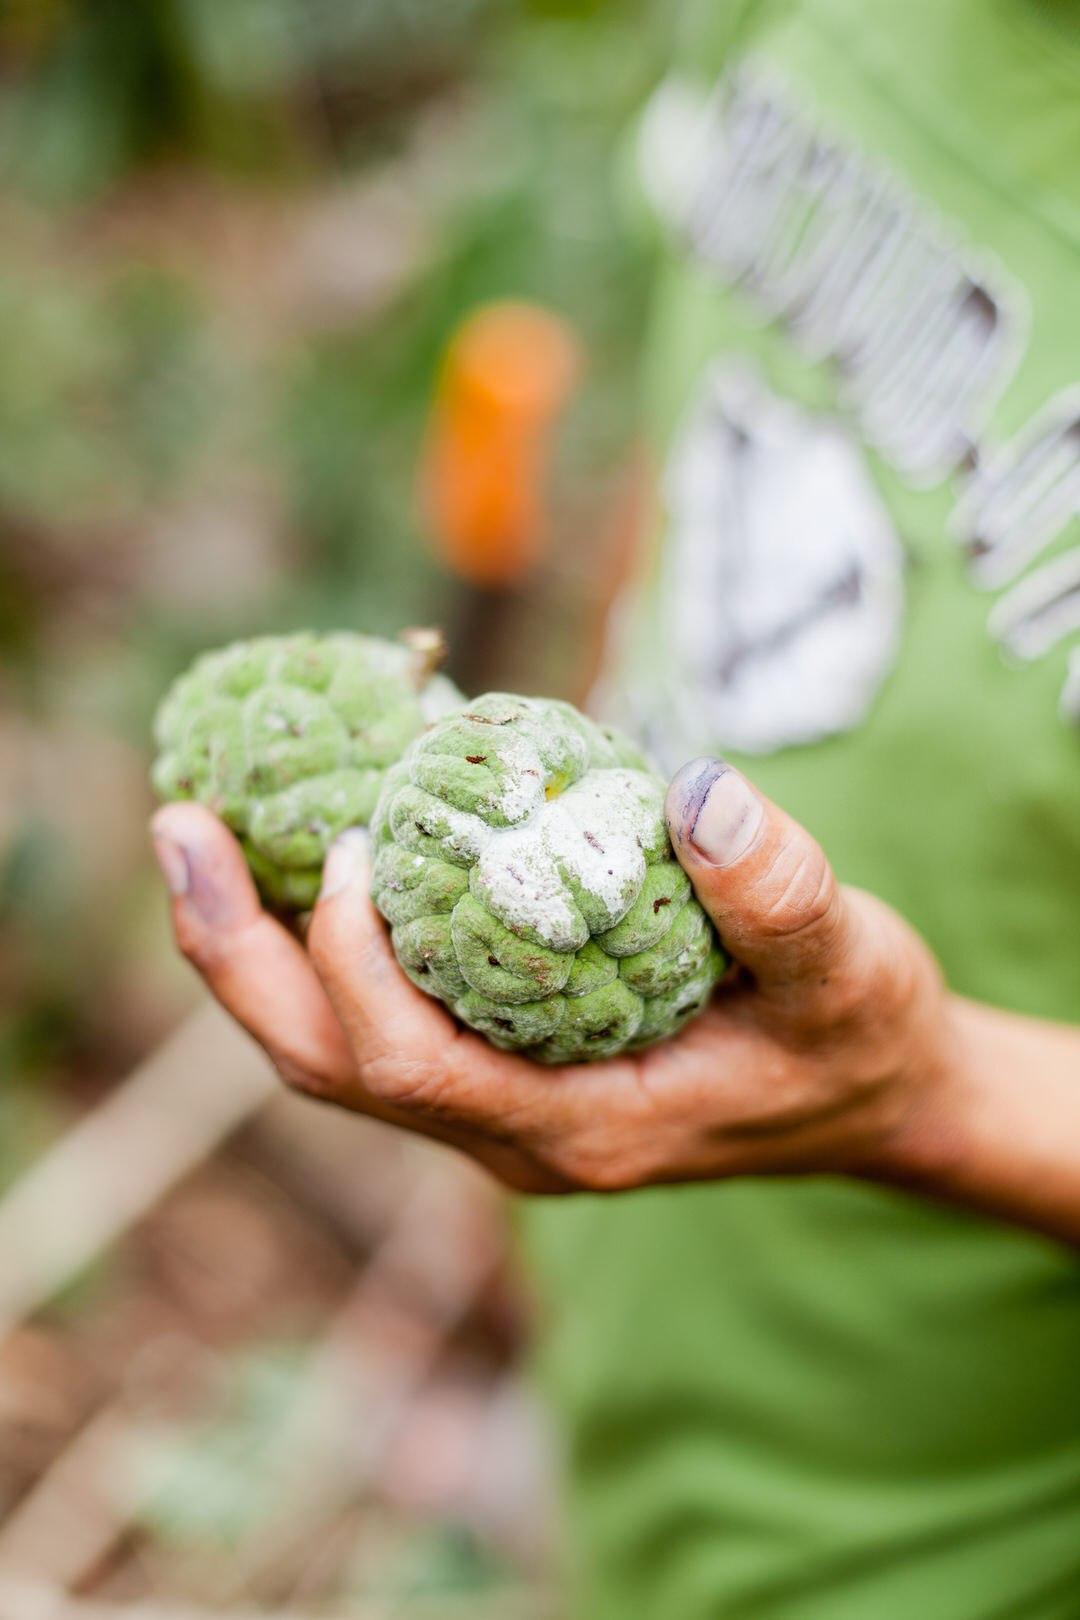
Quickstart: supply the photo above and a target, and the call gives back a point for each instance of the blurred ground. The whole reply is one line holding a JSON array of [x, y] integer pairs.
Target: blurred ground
[[253, 1354]]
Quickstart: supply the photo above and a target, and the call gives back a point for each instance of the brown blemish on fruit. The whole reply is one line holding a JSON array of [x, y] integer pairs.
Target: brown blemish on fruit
[[476, 759], [664, 900], [494, 960], [594, 842]]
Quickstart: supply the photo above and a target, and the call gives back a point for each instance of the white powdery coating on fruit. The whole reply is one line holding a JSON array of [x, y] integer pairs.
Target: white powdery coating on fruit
[[609, 817], [465, 833], [519, 792], [596, 831], [522, 886]]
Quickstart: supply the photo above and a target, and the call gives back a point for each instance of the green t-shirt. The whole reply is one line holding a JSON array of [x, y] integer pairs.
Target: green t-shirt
[[816, 1400]]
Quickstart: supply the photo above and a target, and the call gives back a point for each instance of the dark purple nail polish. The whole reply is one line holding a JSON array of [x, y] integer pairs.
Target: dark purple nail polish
[[690, 788]]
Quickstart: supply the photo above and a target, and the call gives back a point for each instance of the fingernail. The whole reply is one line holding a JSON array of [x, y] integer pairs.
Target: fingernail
[[721, 811], [191, 872], [348, 861], [173, 863]]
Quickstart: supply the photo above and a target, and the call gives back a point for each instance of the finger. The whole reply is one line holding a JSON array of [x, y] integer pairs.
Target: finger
[[761, 877], [384, 1015], [408, 1047], [257, 970]]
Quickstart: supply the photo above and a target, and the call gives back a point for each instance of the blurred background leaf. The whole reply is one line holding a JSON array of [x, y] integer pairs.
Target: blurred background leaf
[[235, 242]]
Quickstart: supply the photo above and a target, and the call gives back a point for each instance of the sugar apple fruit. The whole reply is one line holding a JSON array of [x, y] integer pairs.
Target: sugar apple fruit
[[522, 861], [288, 738]]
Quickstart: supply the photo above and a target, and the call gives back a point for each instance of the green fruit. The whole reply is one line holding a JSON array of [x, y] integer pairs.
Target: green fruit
[[288, 738], [522, 862]]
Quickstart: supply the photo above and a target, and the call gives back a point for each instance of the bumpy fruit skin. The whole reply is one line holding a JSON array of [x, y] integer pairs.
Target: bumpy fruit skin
[[288, 739], [522, 862]]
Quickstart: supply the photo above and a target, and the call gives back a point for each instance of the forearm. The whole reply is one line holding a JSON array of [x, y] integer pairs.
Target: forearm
[[1003, 1137]]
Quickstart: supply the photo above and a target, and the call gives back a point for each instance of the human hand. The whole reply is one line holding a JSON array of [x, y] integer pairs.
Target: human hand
[[826, 1048]]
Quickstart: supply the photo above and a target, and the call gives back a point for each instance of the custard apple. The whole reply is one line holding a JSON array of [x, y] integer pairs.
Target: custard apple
[[288, 738], [522, 862]]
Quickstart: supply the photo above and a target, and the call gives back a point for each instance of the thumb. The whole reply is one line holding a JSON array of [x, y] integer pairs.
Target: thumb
[[763, 880]]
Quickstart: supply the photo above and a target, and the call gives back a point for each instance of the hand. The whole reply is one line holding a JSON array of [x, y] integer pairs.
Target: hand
[[827, 1047]]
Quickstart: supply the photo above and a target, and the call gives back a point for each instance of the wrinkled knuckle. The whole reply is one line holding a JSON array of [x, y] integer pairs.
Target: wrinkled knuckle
[[410, 1084], [805, 902]]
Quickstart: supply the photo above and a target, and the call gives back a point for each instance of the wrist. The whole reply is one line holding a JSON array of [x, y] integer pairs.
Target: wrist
[[928, 1140], [995, 1129]]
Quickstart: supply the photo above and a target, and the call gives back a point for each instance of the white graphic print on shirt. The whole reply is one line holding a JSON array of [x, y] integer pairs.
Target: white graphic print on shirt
[[784, 632], [924, 335]]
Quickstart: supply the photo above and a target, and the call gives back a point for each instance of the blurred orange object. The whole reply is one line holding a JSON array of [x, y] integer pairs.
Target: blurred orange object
[[508, 370]]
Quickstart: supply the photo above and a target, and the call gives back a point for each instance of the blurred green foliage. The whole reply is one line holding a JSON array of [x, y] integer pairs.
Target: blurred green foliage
[[217, 1481], [103, 393], [256, 83], [180, 463], [208, 428]]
